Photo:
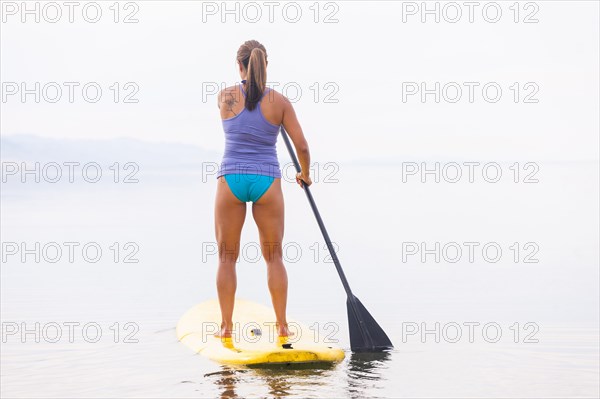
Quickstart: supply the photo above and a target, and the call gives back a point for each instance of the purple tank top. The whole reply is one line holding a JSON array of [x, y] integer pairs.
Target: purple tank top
[[250, 144]]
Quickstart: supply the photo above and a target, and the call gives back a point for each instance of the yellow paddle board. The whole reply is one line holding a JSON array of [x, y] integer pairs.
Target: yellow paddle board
[[254, 340]]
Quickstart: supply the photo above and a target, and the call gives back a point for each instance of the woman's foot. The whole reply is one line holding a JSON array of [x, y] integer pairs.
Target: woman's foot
[[283, 330], [226, 331]]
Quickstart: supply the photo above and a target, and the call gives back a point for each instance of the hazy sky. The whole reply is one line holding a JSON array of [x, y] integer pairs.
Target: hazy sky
[[351, 73]]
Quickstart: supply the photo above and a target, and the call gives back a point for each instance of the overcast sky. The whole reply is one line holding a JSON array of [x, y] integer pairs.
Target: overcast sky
[[352, 74]]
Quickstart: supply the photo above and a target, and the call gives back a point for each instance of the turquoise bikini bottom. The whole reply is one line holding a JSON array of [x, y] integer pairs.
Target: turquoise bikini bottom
[[248, 187]]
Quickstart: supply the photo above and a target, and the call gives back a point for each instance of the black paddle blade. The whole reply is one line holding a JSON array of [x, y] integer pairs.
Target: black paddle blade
[[365, 334]]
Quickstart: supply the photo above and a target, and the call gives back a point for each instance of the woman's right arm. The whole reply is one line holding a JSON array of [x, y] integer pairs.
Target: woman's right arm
[[292, 126]]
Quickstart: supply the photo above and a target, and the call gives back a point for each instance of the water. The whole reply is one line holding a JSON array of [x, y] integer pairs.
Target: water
[[167, 223]]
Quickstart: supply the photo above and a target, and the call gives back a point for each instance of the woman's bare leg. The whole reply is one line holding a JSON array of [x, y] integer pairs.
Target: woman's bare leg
[[230, 214], [268, 213]]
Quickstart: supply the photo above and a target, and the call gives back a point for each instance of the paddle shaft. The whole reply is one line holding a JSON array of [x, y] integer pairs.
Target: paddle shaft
[[311, 200], [365, 333]]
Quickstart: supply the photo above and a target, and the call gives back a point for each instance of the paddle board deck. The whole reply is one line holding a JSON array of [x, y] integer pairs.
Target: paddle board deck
[[254, 341]]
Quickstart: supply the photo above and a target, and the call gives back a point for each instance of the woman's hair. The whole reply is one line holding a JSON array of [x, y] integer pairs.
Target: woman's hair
[[253, 57]]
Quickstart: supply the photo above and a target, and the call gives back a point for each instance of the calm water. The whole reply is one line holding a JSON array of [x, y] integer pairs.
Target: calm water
[[165, 223]]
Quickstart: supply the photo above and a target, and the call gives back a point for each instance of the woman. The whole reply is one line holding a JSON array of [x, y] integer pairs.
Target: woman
[[250, 172]]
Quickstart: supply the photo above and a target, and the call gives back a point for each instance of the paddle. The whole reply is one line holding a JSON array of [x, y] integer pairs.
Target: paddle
[[365, 334]]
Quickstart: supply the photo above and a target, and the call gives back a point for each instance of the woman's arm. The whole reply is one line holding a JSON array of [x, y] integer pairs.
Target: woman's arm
[[294, 130]]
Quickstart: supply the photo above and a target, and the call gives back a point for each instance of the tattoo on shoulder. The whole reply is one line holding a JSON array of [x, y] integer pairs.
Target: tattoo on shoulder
[[229, 100]]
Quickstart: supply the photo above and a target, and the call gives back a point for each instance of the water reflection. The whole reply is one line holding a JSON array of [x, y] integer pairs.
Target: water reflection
[[361, 371], [226, 381], [283, 381], [280, 381]]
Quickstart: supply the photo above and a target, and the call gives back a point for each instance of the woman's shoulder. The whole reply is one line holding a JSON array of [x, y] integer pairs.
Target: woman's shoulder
[[276, 97], [229, 95], [229, 90]]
